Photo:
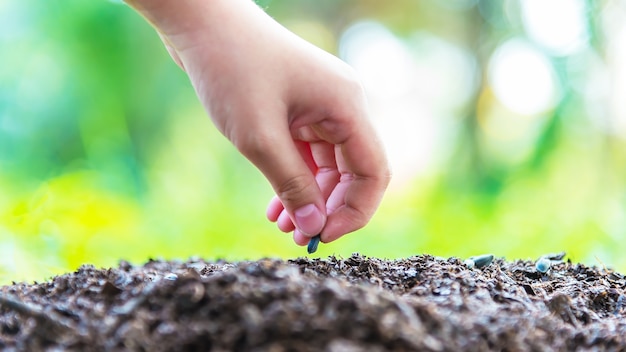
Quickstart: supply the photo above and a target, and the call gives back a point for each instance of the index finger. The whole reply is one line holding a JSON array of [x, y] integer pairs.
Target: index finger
[[364, 177]]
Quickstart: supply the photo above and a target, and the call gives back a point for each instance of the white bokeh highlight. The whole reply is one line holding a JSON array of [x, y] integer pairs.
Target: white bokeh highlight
[[522, 78], [559, 26], [414, 86]]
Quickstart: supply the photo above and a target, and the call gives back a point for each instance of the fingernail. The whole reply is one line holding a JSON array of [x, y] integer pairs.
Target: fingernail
[[309, 220]]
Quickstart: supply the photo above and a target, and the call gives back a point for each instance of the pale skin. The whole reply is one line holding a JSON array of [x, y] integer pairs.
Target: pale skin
[[296, 112]]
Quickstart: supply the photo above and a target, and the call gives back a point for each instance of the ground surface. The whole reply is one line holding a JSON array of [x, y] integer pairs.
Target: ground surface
[[352, 304]]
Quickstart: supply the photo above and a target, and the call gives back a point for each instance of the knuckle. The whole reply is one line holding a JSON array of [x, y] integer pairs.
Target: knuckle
[[350, 95], [292, 189], [360, 217], [252, 145], [352, 81]]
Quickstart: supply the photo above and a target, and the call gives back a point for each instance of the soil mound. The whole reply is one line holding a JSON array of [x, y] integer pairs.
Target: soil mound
[[354, 304]]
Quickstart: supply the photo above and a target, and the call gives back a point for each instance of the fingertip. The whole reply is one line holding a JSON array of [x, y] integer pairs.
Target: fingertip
[[343, 221], [284, 222], [300, 239], [309, 219], [274, 209]]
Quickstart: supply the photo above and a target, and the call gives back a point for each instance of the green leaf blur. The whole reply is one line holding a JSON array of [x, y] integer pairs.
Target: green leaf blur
[[106, 154]]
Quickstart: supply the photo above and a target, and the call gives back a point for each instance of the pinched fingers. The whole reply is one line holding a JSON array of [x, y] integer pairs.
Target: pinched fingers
[[352, 178], [272, 150], [320, 159]]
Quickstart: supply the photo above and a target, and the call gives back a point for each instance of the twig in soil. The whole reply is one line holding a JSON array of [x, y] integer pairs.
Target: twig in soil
[[40, 314], [555, 256]]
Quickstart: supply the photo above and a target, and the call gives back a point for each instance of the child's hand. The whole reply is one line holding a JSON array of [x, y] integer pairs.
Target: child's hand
[[295, 111]]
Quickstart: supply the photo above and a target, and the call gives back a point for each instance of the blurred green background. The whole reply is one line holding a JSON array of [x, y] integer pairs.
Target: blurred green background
[[505, 122]]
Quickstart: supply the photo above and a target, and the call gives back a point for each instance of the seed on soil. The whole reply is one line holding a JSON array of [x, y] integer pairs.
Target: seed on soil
[[554, 256], [543, 265], [479, 261], [171, 277], [313, 243]]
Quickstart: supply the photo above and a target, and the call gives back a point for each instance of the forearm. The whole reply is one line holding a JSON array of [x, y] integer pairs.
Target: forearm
[[213, 40], [174, 15], [186, 22]]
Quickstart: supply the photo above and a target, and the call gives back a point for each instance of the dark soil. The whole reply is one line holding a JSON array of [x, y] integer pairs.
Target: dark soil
[[354, 304]]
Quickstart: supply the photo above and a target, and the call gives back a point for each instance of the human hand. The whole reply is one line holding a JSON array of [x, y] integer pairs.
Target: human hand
[[296, 112]]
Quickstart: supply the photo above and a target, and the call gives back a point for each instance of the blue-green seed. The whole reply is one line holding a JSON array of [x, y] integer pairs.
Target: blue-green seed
[[543, 264], [482, 260], [313, 242], [171, 277]]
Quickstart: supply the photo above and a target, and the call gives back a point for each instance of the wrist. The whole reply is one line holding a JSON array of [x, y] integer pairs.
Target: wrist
[[170, 17], [187, 23]]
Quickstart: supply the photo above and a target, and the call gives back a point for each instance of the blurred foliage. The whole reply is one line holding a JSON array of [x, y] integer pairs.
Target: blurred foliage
[[105, 153]]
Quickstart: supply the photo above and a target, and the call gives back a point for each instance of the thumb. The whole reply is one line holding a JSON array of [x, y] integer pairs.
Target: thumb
[[289, 168]]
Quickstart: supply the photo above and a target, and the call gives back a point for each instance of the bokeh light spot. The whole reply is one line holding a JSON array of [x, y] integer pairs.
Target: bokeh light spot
[[559, 26], [522, 78]]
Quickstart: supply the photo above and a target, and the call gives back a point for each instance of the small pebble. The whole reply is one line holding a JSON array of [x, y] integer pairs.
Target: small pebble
[[171, 277], [313, 242], [543, 265]]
